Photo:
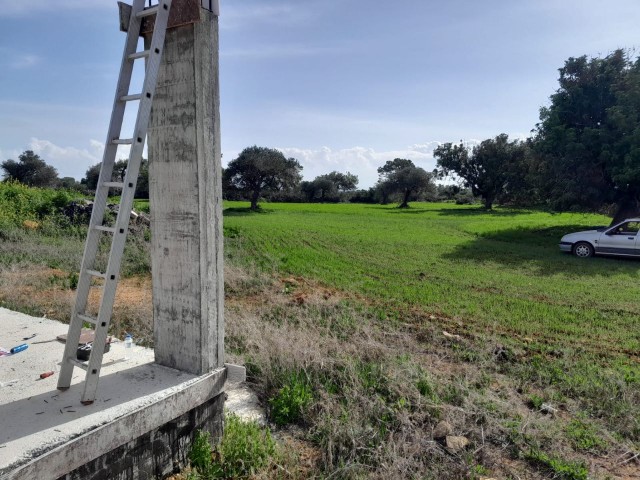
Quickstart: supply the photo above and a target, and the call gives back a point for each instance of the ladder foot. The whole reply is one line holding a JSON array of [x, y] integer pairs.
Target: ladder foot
[[87, 402]]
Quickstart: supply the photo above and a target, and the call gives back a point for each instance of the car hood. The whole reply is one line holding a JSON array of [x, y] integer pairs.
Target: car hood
[[585, 235]]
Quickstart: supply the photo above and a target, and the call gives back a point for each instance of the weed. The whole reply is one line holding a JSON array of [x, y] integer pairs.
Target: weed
[[245, 450], [584, 436], [200, 454], [563, 469], [73, 280], [480, 470], [373, 378], [536, 401], [289, 403], [427, 389], [453, 394]]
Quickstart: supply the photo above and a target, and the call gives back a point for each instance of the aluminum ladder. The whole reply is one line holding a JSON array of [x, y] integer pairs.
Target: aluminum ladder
[[117, 232]]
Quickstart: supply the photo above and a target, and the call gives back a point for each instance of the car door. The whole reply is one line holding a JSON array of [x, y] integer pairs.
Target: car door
[[620, 240]]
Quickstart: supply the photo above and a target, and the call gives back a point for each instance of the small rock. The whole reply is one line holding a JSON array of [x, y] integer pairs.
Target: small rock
[[455, 444], [442, 430], [546, 408], [450, 335]]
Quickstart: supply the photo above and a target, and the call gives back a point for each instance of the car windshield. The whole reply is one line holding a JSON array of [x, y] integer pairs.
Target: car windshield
[[627, 228]]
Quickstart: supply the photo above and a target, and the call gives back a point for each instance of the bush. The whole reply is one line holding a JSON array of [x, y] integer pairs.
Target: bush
[[289, 404], [245, 450], [465, 198], [19, 203]]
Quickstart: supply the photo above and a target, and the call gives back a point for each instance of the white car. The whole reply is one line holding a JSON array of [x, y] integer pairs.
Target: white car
[[621, 239]]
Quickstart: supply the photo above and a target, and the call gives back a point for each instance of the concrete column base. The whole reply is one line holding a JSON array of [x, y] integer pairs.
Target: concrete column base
[[158, 453]]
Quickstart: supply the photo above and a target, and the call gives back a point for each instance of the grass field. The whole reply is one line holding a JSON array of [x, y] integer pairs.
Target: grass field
[[365, 327], [546, 326], [498, 272]]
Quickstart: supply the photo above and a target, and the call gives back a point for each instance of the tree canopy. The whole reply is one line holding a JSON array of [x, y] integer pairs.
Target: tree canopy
[[30, 170], [401, 176], [588, 139], [92, 176], [261, 169], [486, 169], [329, 187]]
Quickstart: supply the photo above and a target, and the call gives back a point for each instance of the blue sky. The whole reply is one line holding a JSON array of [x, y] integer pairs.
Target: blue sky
[[338, 84]]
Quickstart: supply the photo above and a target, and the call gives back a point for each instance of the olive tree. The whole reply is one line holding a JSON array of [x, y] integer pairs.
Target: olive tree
[[260, 169]]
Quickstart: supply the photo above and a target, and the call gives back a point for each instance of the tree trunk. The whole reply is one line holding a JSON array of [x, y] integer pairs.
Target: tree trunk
[[628, 207], [405, 199], [254, 200], [488, 202]]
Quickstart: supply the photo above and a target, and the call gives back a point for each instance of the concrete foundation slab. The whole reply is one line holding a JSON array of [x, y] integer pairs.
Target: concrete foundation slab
[[46, 433]]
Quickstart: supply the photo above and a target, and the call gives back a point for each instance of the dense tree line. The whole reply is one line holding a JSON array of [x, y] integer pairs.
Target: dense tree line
[[584, 154], [33, 171]]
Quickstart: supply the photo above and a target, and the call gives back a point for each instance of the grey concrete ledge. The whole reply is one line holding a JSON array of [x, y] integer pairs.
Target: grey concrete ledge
[[105, 438], [45, 433]]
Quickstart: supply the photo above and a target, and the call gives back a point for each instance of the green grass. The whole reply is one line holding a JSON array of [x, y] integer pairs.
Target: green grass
[[244, 450], [569, 324], [499, 272]]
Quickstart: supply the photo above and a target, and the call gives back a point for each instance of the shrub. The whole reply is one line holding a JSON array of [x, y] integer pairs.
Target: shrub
[[584, 436], [289, 404], [245, 450], [200, 455], [560, 468], [23, 203]]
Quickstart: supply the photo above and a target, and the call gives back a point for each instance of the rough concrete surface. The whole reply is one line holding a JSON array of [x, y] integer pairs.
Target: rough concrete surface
[[185, 196], [243, 402], [35, 417]]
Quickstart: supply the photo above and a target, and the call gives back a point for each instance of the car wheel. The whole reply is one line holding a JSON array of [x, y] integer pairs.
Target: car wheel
[[583, 250]]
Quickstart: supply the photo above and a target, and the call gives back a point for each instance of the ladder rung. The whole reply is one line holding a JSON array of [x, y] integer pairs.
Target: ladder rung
[[95, 273], [122, 141], [87, 318], [105, 229], [147, 11], [77, 363], [140, 54], [130, 98], [113, 184]]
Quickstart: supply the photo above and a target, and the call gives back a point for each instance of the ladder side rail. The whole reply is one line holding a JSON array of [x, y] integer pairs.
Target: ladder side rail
[[100, 199], [127, 197]]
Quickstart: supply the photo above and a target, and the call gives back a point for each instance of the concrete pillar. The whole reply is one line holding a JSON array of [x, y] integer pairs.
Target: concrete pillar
[[185, 190]]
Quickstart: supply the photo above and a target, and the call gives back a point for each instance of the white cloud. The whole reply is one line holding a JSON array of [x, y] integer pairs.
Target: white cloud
[[361, 161], [69, 161]]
